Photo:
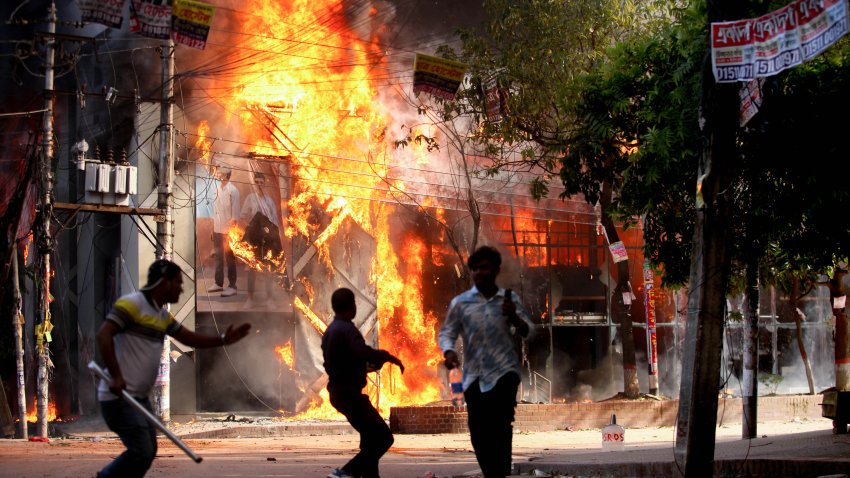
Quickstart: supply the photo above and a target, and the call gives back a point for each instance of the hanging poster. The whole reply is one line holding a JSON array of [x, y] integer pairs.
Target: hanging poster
[[618, 251], [437, 76], [105, 12], [649, 303], [751, 100], [495, 100], [151, 18], [191, 22], [743, 50]]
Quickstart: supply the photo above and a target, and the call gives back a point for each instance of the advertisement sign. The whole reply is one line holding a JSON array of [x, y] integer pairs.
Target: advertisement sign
[[495, 99], [105, 12], [618, 251], [751, 100], [191, 22], [649, 302], [743, 50], [151, 18], [437, 76]]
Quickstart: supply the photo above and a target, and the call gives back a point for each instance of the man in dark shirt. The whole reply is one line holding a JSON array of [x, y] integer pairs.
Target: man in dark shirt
[[346, 359]]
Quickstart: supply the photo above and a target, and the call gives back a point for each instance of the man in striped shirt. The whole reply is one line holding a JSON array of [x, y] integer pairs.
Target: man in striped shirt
[[486, 317], [131, 340]]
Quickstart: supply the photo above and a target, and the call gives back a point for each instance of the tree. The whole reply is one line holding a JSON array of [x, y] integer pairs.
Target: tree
[[535, 51], [755, 195], [448, 133]]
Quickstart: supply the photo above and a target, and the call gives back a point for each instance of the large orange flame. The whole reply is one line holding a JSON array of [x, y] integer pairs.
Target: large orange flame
[[313, 102]]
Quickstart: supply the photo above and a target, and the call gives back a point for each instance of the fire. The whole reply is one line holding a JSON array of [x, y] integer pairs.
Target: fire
[[314, 102], [32, 415], [247, 253], [320, 409], [203, 143], [286, 354], [314, 319]]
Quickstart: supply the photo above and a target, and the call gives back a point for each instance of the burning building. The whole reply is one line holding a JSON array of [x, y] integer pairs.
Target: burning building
[[316, 97]]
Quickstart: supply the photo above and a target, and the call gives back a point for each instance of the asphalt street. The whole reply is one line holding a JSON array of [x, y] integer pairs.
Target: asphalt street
[[84, 451]]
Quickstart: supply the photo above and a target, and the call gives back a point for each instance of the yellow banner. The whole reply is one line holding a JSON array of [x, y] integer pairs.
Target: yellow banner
[[437, 76], [191, 22]]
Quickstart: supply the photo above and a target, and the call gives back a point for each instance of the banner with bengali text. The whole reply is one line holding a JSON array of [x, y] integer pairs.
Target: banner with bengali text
[[437, 76], [191, 21], [151, 18], [743, 50], [105, 12]]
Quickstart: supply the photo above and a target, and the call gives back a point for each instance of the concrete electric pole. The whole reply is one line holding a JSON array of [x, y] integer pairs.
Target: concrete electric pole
[[44, 240], [165, 223]]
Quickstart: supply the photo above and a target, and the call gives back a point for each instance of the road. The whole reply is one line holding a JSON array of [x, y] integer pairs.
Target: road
[[412, 456]]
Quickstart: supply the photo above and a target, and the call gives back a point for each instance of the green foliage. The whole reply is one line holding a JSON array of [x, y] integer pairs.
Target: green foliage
[[735, 317], [607, 95], [637, 129]]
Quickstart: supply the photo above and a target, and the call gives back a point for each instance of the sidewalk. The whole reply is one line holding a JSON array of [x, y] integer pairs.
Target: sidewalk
[[783, 449]]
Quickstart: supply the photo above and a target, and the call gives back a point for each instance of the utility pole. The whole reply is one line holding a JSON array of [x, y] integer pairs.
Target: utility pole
[[44, 239], [750, 333], [696, 425], [165, 223], [19, 348]]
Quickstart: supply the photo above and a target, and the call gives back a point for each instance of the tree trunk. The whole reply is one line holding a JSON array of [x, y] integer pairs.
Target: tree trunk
[[842, 332], [698, 397], [799, 316], [749, 378], [621, 303]]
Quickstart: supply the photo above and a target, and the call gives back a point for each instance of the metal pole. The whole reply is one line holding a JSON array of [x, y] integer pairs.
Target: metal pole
[[164, 224], [45, 241], [148, 415]]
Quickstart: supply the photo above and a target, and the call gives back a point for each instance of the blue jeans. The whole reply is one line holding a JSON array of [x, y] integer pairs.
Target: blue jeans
[[137, 434]]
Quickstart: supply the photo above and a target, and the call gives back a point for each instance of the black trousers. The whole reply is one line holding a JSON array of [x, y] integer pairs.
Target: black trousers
[[491, 417], [375, 436], [221, 246]]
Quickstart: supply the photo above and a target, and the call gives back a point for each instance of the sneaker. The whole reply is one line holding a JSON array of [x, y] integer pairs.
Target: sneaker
[[215, 288], [339, 473], [228, 292], [249, 303]]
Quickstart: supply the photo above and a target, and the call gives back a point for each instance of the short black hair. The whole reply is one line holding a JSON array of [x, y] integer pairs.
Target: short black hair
[[161, 269], [342, 299], [485, 253]]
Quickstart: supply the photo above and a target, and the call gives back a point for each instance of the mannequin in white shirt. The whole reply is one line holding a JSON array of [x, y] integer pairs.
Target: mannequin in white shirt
[[225, 215]]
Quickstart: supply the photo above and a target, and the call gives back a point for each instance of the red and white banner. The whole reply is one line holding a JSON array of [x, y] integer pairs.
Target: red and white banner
[[743, 50], [649, 303], [151, 18]]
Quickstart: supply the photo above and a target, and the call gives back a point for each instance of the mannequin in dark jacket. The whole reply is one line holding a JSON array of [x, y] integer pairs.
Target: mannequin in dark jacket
[[346, 358]]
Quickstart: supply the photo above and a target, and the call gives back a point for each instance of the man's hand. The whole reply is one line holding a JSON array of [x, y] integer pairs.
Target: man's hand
[[452, 360], [232, 335], [397, 361], [117, 384]]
